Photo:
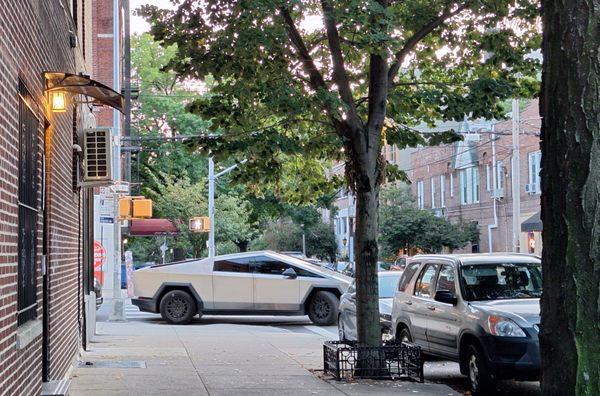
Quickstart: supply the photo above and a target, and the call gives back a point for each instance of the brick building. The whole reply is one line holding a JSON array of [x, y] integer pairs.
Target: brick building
[[461, 183], [46, 261], [345, 204]]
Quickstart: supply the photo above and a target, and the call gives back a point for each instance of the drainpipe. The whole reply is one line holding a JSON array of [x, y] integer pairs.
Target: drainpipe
[[494, 225]]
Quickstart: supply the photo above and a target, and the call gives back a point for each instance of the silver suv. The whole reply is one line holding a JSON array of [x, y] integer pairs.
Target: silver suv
[[477, 309]]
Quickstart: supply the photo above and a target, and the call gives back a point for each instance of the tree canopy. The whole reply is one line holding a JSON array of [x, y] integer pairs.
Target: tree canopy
[[298, 84]]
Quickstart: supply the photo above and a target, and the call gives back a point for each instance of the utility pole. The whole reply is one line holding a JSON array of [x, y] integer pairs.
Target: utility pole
[[516, 178], [127, 84], [303, 240], [211, 200], [211, 206]]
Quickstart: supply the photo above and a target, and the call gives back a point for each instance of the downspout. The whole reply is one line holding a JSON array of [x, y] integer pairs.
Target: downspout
[[494, 225]]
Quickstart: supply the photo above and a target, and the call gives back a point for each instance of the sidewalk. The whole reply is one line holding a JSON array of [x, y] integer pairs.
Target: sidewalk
[[218, 356]]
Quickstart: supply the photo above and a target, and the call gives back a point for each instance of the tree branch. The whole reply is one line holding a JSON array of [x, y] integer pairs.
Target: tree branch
[[378, 92], [339, 70], [412, 42], [316, 79]]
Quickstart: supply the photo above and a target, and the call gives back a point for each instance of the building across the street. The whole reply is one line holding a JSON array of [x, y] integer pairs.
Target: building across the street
[[47, 302], [470, 181]]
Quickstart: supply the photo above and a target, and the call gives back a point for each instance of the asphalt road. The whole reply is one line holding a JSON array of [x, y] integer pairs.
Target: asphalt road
[[437, 371]]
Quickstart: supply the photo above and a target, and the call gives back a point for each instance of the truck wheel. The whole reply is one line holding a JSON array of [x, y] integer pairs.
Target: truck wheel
[[481, 379], [404, 336], [177, 307], [323, 308]]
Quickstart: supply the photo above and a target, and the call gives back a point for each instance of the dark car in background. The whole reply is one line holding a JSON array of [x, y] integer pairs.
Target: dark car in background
[[388, 282]]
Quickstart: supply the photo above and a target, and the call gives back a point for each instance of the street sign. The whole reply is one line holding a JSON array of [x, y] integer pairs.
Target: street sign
[[99, 259], [107, 220]]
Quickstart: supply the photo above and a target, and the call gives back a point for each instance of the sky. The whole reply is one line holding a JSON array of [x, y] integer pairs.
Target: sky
[[138, 24]]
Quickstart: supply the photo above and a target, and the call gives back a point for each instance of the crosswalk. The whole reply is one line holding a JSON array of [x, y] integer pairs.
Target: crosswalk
[[133, 313]]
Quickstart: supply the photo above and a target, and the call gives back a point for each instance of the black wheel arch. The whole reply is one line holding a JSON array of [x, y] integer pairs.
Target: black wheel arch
[[314, 290], [467, 339], [170, 286]]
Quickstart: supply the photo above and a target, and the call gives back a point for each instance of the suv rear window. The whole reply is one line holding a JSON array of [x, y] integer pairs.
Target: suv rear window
[[407, 275]]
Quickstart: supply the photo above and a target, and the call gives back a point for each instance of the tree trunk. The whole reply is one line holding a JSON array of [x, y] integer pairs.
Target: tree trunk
[[242, 245], [570, 106], [365, 254]]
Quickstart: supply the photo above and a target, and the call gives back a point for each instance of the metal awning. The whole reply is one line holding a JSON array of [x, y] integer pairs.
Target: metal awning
[[534, 223], [84, 85], [153, 227]]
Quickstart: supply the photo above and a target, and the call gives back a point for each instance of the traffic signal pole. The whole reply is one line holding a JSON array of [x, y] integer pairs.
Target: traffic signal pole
[[211, 200], [211, 206]]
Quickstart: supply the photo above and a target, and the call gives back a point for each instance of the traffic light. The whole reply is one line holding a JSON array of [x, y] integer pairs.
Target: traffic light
[[135, 208], [199, 224]]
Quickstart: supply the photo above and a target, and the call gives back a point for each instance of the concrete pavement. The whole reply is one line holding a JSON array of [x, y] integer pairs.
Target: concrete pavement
[[219, 356]]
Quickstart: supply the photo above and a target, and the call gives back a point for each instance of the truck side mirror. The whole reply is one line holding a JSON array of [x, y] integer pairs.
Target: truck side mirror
[[290, 273]]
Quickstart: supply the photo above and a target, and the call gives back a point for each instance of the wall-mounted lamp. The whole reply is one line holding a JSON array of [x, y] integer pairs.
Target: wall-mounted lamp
[[58, 101]]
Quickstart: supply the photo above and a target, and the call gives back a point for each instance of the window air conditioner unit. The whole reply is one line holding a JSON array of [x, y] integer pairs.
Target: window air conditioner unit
[[498, 193], [97, 157], [472, 137]]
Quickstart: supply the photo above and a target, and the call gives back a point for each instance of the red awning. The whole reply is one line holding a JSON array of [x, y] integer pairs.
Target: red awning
[[152, 227]]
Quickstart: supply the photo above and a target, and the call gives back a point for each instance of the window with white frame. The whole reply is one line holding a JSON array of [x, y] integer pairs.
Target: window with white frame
[[432, 193], [499, 175], [420, 197], [469, 185], [488, 177], [451, 184], [534, 172], [393, 154], [443, 191]]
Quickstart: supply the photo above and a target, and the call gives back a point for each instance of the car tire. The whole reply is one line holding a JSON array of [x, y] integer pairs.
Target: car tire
[[341, 332], [404, 335], [177, 307], [323, 308], [480, 377]]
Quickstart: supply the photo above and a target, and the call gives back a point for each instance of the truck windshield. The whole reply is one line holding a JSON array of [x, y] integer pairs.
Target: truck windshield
[[501, 281]]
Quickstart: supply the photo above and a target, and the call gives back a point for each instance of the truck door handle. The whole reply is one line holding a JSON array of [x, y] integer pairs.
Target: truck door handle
[[408, 302], [431, 307]]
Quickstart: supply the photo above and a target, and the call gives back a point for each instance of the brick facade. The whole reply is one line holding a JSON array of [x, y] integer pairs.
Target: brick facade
[[432, 162], [35, 37]]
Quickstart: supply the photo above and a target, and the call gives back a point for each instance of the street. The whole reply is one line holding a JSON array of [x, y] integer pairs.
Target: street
[[235, 355]]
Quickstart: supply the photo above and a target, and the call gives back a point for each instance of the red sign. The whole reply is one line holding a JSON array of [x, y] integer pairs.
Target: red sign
[[99, 259]]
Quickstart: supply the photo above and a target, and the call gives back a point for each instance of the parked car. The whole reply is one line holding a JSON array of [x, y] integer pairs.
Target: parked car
[[251, 283], [98, 291], [343, 267], [388, 283], [481, 310]]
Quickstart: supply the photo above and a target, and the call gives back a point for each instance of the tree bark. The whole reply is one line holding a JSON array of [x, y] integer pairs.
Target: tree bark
[[570, 106], [365, 254]]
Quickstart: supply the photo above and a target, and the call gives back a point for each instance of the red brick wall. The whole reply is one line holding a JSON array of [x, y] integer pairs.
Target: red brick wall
[[34, 37], [103, 52], [431, 162]]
